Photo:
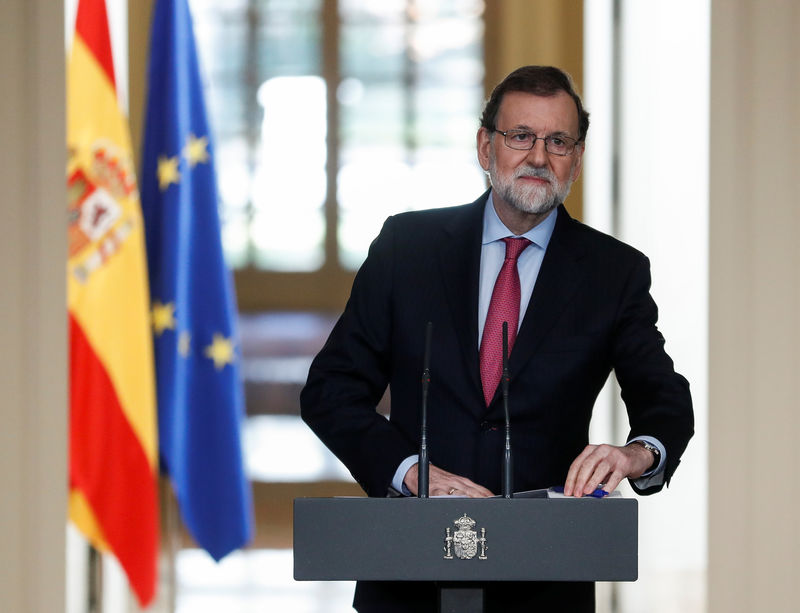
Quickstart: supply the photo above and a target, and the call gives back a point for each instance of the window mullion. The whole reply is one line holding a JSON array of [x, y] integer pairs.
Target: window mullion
[[410, 82], [252, 115], [332, 76]]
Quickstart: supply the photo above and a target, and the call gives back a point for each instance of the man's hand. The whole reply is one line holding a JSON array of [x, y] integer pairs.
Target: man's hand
[[442, 483], [606, 465]]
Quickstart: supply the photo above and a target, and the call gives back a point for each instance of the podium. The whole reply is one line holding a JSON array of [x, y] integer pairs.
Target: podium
[[457, 542]]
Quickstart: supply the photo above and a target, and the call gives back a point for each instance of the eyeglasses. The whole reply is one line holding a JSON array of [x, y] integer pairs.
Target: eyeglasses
[[524, 141]]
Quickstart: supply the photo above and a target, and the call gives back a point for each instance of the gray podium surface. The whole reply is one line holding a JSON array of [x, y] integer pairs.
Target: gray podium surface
[[404, 539]]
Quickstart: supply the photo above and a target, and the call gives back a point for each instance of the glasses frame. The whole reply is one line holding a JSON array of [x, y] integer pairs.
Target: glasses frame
[[545, 139]]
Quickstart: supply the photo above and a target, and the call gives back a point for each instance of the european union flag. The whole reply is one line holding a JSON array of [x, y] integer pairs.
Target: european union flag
[[200, 399]]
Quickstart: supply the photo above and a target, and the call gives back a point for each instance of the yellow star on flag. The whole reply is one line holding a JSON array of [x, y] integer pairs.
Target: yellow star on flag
[[221, 351], [196, 150], [163, 316], [168, 171], [185, 344]]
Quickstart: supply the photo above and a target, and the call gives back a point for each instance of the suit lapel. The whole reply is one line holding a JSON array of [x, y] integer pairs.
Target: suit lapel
[[459, 259], [559, 278]]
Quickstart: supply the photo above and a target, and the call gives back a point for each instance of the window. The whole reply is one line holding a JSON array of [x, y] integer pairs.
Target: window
[[329, 116]]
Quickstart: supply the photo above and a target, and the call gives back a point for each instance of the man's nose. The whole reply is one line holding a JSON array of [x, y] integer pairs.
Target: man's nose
[[537, 155]]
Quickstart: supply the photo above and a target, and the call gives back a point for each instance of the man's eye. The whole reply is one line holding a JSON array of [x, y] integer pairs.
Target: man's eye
[[557, 141], [521, 137]]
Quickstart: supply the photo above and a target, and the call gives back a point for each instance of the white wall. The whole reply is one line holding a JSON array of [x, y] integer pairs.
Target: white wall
[[664, 212], [661, 209]]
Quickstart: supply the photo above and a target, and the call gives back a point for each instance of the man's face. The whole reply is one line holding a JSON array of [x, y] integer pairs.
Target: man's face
[[533, 181]]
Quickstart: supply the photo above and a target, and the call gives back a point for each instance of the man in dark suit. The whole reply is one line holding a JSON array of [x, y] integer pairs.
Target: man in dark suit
[[578, 306]]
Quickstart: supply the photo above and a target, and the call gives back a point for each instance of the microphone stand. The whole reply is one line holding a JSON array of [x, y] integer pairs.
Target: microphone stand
[[424, 469], [508, 477]]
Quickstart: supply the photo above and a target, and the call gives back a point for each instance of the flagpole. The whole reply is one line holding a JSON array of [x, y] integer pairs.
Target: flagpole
[[94, 578], [170, 529], [171, 534]]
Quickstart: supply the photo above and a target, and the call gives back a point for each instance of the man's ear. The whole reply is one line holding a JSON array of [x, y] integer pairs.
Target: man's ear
[[578, 164], [484, 139]]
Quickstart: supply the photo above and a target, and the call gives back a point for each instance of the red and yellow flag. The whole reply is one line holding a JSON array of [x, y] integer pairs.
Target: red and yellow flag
[[113, 441]]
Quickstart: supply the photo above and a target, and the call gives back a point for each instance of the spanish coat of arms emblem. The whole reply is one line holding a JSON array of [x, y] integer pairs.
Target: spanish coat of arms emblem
[[464, 541]]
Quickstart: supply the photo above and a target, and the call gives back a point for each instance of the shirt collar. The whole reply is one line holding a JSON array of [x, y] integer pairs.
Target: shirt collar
[[494, 229]]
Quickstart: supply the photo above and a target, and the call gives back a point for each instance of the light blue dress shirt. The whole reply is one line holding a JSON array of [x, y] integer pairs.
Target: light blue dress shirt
[[493, 253]]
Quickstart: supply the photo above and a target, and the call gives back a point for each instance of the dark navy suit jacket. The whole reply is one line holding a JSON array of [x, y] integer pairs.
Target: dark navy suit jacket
[[590, 312]]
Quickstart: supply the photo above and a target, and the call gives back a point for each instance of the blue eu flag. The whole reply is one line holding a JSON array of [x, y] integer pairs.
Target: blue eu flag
[[200, 399]]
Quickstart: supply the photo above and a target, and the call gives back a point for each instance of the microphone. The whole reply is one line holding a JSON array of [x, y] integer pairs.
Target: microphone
[[424, 469], [508, 477]]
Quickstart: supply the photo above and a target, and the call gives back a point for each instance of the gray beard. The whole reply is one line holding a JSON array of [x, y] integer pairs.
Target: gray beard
[[535, 199]]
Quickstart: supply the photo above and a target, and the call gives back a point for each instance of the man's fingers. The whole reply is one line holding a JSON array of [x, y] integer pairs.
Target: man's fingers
[[599, 464], [613, 482], [594, 472], [595, 465], [462, 487], [443, 483], [459, 489], [471, 489], [574, 483], [589, 479]]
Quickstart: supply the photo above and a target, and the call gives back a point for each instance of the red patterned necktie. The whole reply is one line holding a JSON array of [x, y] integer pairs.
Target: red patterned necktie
[[503, 307]]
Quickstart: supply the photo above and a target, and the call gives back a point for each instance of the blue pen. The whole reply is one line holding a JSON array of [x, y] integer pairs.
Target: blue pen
[[598, 493]]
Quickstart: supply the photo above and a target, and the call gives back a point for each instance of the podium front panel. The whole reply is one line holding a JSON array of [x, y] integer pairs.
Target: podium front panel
[[464, 539]]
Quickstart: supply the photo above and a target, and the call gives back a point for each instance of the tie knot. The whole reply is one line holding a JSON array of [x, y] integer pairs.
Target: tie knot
[[515, 246]]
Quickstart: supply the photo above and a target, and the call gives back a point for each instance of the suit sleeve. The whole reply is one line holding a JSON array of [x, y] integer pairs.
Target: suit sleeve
[[657, 398], [350, 374]]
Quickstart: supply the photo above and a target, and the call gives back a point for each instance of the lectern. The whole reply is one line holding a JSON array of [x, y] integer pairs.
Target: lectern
[[457, 542]]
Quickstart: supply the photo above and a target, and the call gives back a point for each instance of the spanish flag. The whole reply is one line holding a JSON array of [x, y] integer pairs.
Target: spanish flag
[[113, 434]]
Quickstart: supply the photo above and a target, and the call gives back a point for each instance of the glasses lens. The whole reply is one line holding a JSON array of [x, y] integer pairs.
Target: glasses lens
[[517, 139], [558, 145]]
